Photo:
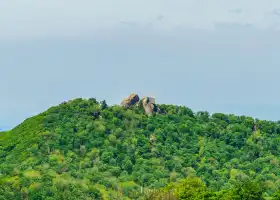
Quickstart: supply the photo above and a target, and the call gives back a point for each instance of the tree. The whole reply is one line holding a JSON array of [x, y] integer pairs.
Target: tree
[[103, 105], [276, 195], [244, 190], [191, 189]]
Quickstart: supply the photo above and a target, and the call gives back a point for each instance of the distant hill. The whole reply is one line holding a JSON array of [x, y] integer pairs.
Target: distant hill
[[85, 149]]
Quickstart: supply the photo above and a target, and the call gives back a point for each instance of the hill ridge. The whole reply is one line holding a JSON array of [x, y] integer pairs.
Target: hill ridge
[[84, 149]]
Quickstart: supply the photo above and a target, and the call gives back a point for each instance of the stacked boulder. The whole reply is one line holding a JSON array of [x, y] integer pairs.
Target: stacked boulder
[[148, 103]]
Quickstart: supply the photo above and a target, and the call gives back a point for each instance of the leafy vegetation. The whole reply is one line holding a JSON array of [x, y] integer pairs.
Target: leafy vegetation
[[85, 149]]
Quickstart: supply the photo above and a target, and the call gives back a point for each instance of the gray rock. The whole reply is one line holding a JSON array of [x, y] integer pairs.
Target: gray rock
[[149, 105]]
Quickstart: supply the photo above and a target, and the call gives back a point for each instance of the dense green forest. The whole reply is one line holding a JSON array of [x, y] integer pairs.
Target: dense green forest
[[85, 149]]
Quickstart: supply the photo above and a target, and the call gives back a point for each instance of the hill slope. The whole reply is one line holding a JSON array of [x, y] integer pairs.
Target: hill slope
[[83, 149]]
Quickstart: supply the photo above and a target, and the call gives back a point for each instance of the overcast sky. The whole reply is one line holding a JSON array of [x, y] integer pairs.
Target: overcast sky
[[216, 55]]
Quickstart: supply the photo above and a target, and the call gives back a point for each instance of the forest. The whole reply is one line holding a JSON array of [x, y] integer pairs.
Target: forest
[[85, 149]]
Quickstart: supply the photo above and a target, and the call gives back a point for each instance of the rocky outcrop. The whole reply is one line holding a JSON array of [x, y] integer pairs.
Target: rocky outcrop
[[149, 105], [130, 101]]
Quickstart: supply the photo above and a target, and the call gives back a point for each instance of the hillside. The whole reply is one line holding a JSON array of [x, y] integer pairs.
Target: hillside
[[85, 149]]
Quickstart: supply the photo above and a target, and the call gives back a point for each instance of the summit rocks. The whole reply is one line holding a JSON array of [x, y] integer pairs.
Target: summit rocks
[[130, 101], [148, 103]]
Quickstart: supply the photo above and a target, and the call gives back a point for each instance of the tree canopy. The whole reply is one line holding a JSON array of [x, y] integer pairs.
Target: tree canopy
[[85, 149]]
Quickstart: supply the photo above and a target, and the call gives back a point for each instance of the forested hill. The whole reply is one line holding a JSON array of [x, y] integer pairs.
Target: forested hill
[[84, 149]]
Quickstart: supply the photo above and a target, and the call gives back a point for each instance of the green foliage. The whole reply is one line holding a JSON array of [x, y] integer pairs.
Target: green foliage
[[85, 149], [191, 189], [276, 195], [244, 190]]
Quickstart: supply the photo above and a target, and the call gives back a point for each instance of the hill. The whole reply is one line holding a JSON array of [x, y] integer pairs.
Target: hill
[[85, 149]]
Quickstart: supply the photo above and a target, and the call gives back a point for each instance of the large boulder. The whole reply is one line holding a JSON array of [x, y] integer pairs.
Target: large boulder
[[130, 101], [149, 105]]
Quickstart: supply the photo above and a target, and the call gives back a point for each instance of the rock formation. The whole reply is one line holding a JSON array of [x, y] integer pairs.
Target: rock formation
[[130, 101], [149, 105]]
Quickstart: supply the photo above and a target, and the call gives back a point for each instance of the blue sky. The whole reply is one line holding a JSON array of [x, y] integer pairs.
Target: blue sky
[[222, 56]]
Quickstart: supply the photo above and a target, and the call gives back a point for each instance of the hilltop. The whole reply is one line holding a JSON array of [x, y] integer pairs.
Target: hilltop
[[85, 149]]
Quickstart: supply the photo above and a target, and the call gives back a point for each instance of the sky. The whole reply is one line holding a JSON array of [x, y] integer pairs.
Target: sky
[[219, 56]]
